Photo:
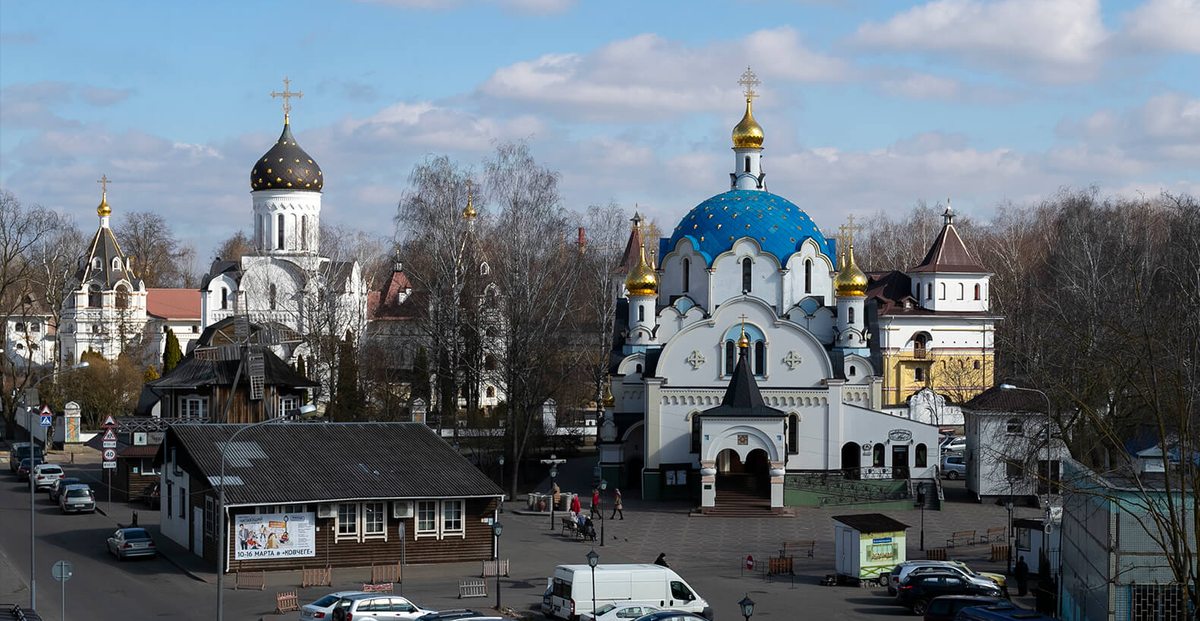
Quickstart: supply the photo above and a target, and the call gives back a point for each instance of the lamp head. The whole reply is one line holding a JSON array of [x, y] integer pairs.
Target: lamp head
[[603, 485], [593, 559], [83, 364], [1007, 387], [497, 528], [553, 471], [747, 606], [501, 460]]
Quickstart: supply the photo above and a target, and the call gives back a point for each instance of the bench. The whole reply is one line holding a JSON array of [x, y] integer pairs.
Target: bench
[[994, 535], [490, 569], [570, 526], [1000, 552], [251, 580], [321, 576], [803, 546], [935, 554], [472, 587], [381, 574], [286, 601], [776, 566], [961, 538]]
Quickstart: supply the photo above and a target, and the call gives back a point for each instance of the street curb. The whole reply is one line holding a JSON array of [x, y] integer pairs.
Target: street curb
[[190, 573]]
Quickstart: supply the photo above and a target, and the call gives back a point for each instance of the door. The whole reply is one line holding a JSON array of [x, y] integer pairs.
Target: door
[[198, 531], [899, 461]]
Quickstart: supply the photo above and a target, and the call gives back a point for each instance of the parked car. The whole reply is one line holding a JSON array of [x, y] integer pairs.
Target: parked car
[[458, 613], [921, 589], [671, 615], [954, 467], [617, 612], [60, 485], [45, 475], [946, 607], [1000, 612], [961, 569], [376, 606], [26, 465], [957, 445], [77, 498], [131, 542], [573, 592], [22, 450], [901, 573], [323, 607]]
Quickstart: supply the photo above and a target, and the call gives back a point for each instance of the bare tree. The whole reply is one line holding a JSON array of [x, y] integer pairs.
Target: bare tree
[[160, 258], [600, 285], [234, 247]]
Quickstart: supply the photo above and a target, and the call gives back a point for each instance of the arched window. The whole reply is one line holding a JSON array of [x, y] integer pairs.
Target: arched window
[[97, 263], [793, 434], [491, 392], [747, 165], [641, 313], [941, 291], [850, 315], [877, 459], [271, 293], [747, 272], [695, 432], [224, 298], [489, 362], [977, 293], [20, 326], [279, 234], [303, 232], [976, 365], [116, 263], [95, 296], [853, 370], [808, 275], [922, 456], [961, 291], [687, 274], [929, 291], [122, 296], [730, 356], [919, 374], [760, 358], [258, 232]]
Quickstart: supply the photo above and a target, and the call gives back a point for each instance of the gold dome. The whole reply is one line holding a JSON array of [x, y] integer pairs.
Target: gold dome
[[609, 401], [850, 281], [103, 210], [469, 212], [748, 134], [744, 342], [642, 280]]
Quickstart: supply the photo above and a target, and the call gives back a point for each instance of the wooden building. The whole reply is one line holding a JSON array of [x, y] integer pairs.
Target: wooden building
[[315, 494]]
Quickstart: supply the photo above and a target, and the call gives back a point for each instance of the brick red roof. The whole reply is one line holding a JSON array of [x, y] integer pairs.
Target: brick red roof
[[173, 303], [949, 254], [385, 304]]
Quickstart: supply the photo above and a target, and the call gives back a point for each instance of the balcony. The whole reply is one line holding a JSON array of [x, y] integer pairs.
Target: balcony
[[920, 353]]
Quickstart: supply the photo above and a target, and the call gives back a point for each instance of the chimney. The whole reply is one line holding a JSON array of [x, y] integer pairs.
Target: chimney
[[582, 241]]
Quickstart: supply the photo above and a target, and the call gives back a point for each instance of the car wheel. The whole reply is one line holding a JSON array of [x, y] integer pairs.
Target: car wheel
[[884, 580], [952, 475], [920, 606]]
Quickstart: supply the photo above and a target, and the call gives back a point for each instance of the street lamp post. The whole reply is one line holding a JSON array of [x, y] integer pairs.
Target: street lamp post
[[1045, 551], [33, 491], [501, 460], [603, 487], [497, 528], [593, 559], [553, 475], [921, 503], [747, 606]]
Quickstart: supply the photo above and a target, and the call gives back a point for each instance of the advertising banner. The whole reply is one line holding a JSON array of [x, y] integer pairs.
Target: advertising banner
[[274, 535]]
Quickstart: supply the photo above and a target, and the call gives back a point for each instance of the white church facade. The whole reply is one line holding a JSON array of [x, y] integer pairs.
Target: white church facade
[[749, 362]]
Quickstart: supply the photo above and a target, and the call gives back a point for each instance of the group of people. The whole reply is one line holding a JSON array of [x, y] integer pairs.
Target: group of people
[[585, 521]]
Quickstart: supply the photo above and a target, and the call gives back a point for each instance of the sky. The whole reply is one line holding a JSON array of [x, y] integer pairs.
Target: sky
[[867, 106]]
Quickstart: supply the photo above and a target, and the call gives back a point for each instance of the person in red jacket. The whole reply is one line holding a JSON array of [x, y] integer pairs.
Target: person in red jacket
[[595, 504], [576, 506]]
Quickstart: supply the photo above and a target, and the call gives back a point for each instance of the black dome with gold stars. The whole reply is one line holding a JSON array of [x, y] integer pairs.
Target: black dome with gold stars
[[286, 167]]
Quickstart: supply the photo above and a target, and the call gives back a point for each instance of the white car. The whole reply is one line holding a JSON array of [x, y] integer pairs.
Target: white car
[[323, 608], [616, 612], [44, 475]]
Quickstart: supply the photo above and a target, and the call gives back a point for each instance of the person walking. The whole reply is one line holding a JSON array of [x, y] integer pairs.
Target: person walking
[[576, 506], [1022, 572], [617, 506], [595, 504]]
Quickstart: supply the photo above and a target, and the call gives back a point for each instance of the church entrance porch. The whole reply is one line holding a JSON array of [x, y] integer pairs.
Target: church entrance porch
[[743, 485]]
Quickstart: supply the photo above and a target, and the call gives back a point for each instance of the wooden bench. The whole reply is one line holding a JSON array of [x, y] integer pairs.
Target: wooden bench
[[490, 569], [286, 601], [321, 576], [472, 587], [961, 538], [381, 574], [251, 580], [1000, 552], [994, 535], [570, 527], [776, 566], [935, 554], [803, 546]]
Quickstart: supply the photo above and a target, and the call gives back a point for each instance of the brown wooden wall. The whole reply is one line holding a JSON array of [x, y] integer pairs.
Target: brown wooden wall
[[128, 486], [477, 545]]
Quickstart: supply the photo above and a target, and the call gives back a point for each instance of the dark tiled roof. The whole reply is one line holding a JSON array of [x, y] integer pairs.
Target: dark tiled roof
[[192, 373], [220, 267], [997, 399], [742, 397], [632, 255], [871, 523], [949, 254], [105, 247], [322, 462]]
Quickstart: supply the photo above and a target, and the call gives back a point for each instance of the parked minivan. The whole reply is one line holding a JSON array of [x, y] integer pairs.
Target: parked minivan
[[20, 451], [571, 589]]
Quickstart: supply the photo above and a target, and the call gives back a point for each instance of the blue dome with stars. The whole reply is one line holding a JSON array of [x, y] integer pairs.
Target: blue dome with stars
[[778, 226]]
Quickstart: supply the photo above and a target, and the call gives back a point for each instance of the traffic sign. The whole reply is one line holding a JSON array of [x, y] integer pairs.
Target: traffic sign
[[46, 411], [45, 420], [62, 571], [110, 454], [109, 444], [109, 465], [109, 436], [109, 422]]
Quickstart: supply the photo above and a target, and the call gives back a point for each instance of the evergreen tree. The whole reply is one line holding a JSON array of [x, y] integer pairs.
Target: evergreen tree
[[172, 354], [420, 376], [347, 402], [301, 367]]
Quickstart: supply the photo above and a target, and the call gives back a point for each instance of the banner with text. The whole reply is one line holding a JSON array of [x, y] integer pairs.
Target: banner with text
[[274, 535]]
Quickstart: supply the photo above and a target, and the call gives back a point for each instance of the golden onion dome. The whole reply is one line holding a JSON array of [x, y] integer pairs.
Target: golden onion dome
[[642, 280], [744, 342], [103, 210], [850, 281], [469, 212], [609, 401], [748, 134]]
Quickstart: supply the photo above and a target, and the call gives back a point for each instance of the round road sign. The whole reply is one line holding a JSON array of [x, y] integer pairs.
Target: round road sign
[[110, 454], [62, 571]]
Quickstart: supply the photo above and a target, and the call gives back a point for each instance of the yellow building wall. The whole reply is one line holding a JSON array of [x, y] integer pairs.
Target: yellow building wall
[[949, 372]]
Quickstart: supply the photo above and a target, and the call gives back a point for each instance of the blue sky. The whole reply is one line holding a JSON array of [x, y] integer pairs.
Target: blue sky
[[867, 106]]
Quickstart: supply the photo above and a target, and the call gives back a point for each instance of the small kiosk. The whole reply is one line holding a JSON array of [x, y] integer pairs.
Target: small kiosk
[[867, 546]]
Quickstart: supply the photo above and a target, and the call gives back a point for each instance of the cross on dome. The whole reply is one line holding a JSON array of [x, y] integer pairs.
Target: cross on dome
[[749, 80], [848, 230], [287, 95], [103, 210]]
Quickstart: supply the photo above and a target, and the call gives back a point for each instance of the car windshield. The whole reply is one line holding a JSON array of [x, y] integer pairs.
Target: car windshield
[[605, 608], [136, 533], [326, 602]]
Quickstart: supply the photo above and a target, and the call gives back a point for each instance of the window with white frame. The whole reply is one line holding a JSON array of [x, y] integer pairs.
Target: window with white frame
[[427, 519], [374, 519], [452, 518], [193, 407], [347, 521], [210, 512], [287, 404]]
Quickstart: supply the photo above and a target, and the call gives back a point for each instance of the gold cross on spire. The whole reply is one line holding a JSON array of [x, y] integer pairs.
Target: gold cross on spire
[[848, 230], [743, 342], [104, 181], [749, 80], [287, 94]]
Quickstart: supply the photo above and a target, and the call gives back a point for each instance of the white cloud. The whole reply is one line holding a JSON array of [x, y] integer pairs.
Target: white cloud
[[1053, 40], [1169, 25], [922, 86], [1165, 129]]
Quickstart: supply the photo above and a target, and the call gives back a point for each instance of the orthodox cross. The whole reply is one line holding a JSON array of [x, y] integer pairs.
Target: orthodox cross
[[847, 230], [791, 360], [104, 181], [696, 359], [287, 94], [743, 317], [749, 80]]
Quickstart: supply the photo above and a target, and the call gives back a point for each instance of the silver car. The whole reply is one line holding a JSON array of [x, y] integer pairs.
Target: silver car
[[376, 606], [130, 543], [323, 608], [77, 498]]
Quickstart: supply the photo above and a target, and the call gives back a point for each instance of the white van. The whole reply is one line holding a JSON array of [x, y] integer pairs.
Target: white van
[[571, 589]]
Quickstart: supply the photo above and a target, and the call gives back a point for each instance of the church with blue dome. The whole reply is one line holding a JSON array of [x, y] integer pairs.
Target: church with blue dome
[[747, 368]]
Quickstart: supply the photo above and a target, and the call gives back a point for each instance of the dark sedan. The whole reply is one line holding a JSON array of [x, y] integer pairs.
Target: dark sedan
[[946, 607], [921, 589]]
